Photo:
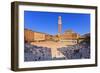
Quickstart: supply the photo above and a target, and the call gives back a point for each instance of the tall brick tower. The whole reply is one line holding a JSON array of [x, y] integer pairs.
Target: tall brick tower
[[59, 27], [59, 24]]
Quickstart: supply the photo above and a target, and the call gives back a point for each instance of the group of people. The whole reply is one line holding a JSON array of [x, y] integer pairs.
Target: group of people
[[78, 51], [39, 53], [36, 53]]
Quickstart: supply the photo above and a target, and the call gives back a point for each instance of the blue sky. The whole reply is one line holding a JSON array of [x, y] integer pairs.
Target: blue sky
[[47, 22]]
